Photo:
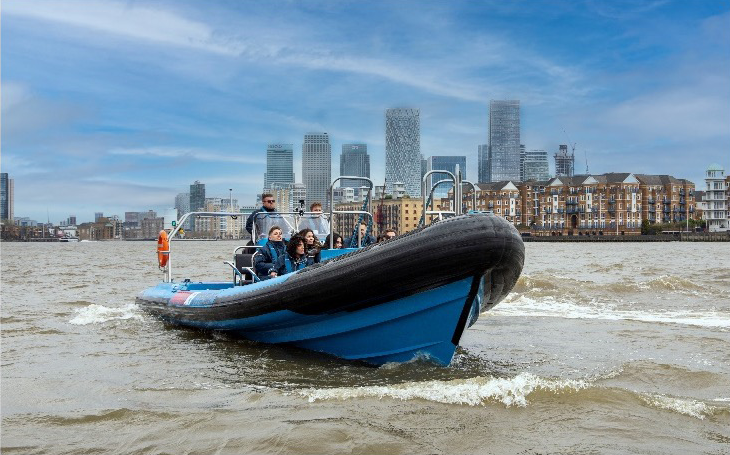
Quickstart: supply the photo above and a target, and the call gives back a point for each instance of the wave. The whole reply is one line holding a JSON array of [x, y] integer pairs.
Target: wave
[[94, 314], [693, 408], [474, 391], [516, 305], [542, 285]]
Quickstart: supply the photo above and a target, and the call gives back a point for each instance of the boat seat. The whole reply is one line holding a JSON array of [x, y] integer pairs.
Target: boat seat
[[244, 264]]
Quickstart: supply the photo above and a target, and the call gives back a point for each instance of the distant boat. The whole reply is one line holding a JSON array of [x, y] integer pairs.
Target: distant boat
[[68, 239]]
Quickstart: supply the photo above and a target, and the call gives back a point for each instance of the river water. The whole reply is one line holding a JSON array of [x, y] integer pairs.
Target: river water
[[600, 348]]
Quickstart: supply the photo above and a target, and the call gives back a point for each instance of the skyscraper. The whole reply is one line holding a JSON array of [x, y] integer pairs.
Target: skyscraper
[[564, 162], [535, 165], [444, 163], [279, 165], [403, 150], [317, 168], [483, 164], [354, 160], [504, 140], [182, 204], [7, 196], [197, 197]]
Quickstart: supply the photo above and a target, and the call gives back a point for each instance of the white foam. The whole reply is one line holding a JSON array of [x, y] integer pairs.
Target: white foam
[[474, 391], [94, 314], [516, 305], [692, 408]]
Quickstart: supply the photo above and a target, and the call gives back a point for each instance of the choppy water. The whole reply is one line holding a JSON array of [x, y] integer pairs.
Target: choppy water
[[600, 349]]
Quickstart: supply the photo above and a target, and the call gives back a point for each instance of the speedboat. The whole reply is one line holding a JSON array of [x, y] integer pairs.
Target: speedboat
[[394, 301]]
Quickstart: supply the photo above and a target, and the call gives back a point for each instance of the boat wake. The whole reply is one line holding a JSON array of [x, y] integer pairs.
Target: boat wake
[[473, 391], [517, 391], [520, 305], [96, 314]]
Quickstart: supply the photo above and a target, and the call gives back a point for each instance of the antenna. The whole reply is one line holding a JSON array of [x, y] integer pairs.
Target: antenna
[[585, 154]]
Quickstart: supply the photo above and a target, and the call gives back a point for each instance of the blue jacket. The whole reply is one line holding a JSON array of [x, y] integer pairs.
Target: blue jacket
[[249, 221], [266, 257], [286, 264]]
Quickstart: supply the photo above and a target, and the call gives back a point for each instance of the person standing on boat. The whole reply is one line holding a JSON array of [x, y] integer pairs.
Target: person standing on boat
[[311, 244], [269, 206], [293, 260], [265, 259]]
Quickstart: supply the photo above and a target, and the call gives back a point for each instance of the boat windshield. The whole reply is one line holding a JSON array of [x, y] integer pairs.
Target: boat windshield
[[265, 221], [318, 223]]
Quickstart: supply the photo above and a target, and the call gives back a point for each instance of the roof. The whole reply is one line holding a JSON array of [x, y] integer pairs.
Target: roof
[[715, 167]]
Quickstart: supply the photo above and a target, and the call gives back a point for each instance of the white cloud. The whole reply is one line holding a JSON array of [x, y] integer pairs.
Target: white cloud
[[127, 20], [186, 152]]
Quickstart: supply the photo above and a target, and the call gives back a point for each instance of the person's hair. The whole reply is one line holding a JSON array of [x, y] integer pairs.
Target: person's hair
[[334, 236], [315, 204], [303, 234], [274, 227], [291, 247], [390, 230], [265, 195], [363, 223]]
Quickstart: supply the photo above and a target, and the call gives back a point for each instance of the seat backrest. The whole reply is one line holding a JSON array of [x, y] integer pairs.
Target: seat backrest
[[244, 260]]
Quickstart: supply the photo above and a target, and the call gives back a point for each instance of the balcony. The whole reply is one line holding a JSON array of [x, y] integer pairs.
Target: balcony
[[667, 210], [561, 210], [612, 210], [571, 210], [652, 200], [571, 202], [652, 210]]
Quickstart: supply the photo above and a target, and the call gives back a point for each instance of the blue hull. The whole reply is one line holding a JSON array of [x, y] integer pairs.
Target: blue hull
[[423, 325]]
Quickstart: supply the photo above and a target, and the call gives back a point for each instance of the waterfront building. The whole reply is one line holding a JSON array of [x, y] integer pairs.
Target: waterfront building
[[504, 140], [715, 199], [401, 214], [182, 204], [535, 165], [197, 196], [483, 164], [279, 165], [317, 168], [605, 204], [666, 199], [444, 163], [403, 150], [287, 196], [7, 197], [354, 160], [564, 162]]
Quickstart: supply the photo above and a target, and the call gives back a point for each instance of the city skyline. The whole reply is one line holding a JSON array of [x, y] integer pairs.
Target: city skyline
[[133, 115]]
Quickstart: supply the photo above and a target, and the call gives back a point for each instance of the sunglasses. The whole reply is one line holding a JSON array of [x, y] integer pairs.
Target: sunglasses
[[270, 201]]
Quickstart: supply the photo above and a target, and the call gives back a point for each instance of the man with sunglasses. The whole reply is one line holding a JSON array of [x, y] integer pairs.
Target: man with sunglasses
[[269, 205]]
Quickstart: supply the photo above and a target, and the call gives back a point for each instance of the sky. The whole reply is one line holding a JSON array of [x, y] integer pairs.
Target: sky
[[111, 106]]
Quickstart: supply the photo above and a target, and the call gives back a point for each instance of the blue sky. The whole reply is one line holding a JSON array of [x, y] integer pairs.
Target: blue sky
[[118, 106]]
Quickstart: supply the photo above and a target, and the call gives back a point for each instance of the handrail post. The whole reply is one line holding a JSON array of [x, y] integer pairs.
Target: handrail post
[[423, 192]]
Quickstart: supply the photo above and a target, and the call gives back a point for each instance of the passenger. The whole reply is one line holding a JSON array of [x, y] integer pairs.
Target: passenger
[[365, 240], [272, 250], [269, 206], [311, 244], [293, 260], [336, 242], [315, 221]]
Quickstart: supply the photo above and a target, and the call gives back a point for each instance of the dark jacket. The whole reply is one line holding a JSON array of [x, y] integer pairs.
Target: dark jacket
[[265, 259], [249, 221], [365, 241], [286, 264]]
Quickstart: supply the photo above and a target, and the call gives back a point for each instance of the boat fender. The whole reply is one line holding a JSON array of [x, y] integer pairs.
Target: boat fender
[[163, 249]]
